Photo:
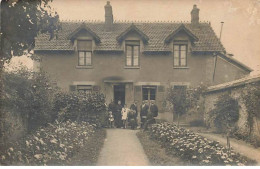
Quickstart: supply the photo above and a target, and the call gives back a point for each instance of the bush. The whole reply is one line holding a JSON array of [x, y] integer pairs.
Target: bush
[[194, 148], [80, 107], [28, 95], [197, 123], [53, 145], [226, 113]]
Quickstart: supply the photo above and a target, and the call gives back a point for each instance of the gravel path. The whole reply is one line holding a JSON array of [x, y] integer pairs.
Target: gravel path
[[122, 148]]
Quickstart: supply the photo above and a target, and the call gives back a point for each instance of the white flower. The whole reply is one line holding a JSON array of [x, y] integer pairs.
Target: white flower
[[11, 149], [27, 143], [38, 156], [54, 141], [3, 157]]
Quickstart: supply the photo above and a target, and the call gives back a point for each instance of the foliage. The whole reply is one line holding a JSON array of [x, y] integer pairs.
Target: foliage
[[154, 152], [21, 21], [226, 112], [80, 107], [29, 95], [251, 97], [194, 148], [197, 123], [184, 99], [53, 145]]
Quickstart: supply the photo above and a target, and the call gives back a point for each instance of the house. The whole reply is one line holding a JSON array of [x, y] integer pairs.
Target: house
[[130, 61]]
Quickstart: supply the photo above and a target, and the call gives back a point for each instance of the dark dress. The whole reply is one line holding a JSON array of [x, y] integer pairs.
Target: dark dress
[[151, 116], [118, 116]]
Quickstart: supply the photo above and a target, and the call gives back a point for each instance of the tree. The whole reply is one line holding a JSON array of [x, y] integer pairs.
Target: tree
[[183, 99], [21, 21], [177, 97], [225, 114]]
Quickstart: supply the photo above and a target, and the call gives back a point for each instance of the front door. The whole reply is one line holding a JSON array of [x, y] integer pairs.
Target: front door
[[119, 93]]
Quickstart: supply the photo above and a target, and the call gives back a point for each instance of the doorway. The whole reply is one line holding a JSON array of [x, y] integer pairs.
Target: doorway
[[119, 93]]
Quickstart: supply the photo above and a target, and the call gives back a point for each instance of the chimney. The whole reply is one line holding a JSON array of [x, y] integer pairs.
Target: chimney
[[195, 16], [108, 17]]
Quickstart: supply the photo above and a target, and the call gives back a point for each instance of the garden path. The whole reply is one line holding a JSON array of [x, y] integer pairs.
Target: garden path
[[122, 148]]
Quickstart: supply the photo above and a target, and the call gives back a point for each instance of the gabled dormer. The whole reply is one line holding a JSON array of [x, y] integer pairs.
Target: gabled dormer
[[132, 40], [181, 31], [180, 41], [84, 41]]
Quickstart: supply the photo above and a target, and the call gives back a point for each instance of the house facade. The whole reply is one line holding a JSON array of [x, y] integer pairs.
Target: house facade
[[136, 61]]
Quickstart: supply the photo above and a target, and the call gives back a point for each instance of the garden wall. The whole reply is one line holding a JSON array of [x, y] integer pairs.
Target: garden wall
[[235, 89]]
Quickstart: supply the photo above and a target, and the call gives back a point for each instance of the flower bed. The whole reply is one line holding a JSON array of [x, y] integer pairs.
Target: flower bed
[[193, 148], [53, 145]]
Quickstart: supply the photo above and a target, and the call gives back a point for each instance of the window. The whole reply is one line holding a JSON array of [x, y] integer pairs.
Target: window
[[84, 89], [84, 52], [132, 53], [180, 55], [149, 92], [180, 89]]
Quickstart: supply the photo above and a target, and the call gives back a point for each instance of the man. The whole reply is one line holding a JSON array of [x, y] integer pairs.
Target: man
[[118, 116], [134, 107], [143, 112], [151, 115]]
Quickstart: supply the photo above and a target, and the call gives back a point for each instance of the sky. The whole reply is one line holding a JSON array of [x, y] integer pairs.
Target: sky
[[241, 29]]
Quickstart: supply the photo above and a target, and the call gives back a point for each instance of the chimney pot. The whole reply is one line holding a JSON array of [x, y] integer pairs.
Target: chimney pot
[[195, 15], [108, 17]]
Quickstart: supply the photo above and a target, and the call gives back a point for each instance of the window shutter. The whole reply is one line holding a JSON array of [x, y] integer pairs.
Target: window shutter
[[72, 88], [85, 45], [138, 94], [161, 89]]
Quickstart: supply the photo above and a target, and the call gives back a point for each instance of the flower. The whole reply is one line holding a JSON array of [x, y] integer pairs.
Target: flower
[[11, 149], [38, 156]]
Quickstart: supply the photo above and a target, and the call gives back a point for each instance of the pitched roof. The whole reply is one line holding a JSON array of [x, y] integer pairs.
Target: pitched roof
[[181, 28], [156, 32], [84, 27], [236, 62], [132, 28]]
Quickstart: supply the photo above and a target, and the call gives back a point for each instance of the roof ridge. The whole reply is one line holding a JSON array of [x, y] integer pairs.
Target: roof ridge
[[129, 21]]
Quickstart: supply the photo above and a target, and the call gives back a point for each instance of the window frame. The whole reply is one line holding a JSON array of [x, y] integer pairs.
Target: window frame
[[132, 52], [87, 88], [85, 55], [149, 88], [179, 55]]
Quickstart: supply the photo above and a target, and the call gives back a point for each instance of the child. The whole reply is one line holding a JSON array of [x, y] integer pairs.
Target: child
[[111, 119], [124, 113]]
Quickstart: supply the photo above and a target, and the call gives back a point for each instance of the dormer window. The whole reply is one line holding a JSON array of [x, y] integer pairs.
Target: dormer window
[[84, 52], [132, 53], [180, 55]]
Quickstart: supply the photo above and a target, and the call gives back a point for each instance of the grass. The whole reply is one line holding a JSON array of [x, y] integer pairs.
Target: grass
[[89, 155], [155, 153]]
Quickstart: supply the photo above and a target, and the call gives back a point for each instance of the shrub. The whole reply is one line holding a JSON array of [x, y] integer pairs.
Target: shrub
[[226, 113], [197, 123], [53, 145], [29, 95]]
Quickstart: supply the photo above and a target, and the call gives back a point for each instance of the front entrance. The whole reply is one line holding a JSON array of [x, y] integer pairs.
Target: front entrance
[[119, 93]]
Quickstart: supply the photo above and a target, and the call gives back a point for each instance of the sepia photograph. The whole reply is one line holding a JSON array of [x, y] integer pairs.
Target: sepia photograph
[[130, 83]]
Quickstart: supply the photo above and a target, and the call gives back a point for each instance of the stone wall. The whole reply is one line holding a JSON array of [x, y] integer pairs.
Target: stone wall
[[235, 89]]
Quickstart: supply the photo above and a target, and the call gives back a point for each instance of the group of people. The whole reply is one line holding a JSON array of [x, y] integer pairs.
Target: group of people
[[122, 117]]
